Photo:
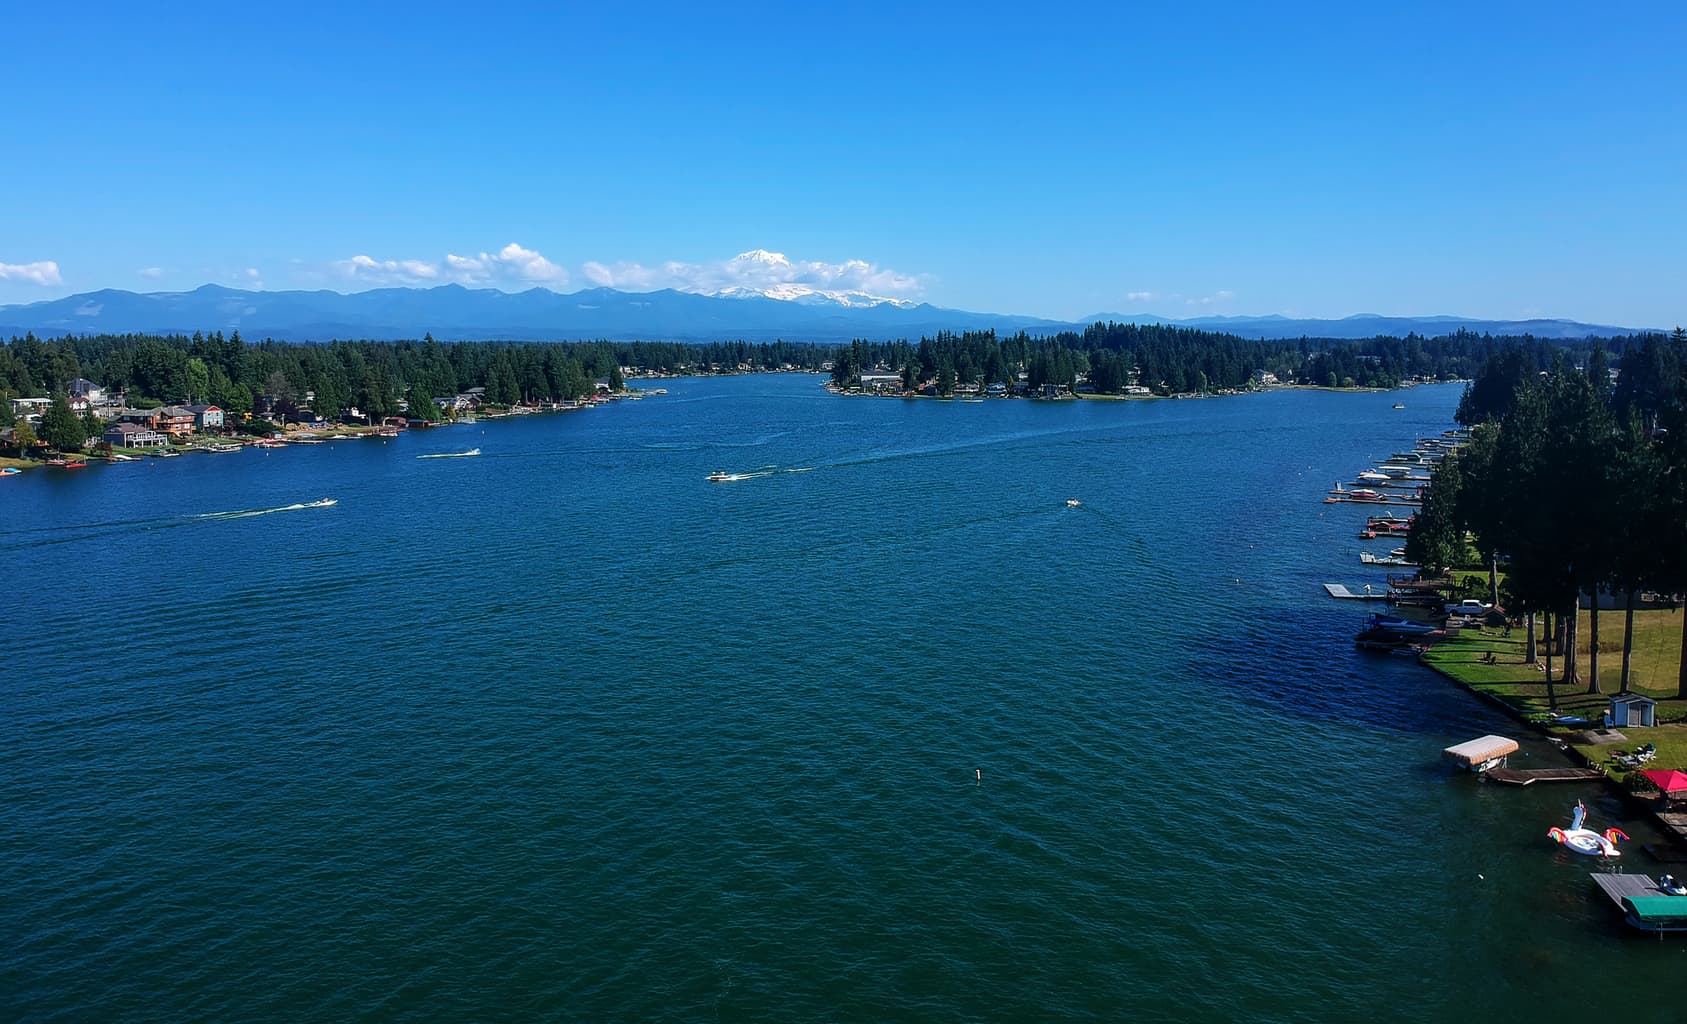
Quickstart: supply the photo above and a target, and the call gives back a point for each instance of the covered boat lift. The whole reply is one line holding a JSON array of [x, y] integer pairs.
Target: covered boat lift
[[1481, 754]]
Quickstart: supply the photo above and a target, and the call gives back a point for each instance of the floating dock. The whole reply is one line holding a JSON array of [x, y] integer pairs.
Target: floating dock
[[1530, 776], [1337, 590], [1644, 905]]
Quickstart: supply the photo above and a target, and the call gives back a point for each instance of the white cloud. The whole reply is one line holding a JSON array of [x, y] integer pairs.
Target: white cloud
[[1139, 296], [759, 270], [43, 272], [755, 271], [1218, 298], [151, 273], [512, 265]]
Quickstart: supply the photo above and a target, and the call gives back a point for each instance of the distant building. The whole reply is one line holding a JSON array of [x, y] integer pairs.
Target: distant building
[[82, 387], [175, 420], [134, 435], [206, 417], [26, 406], [881, 380]]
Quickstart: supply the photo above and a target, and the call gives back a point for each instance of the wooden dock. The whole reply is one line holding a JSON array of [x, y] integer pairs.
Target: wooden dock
[[1529, 776], [1675, 822], [1337, 590], [1617, 886]]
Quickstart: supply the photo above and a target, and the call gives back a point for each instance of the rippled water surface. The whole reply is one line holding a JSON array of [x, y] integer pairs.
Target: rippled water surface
[[564, 731]]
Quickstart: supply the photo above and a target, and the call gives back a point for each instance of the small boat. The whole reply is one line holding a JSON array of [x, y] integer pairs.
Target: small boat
[[165, 453], [1399, 405], [10, 471], [222, 449], [1585, 840], [1397, 624], [718, 477], [1073, 503], [471, 453]]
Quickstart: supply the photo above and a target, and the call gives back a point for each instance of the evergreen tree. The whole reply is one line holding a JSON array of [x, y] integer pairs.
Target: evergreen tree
[[61, 428]]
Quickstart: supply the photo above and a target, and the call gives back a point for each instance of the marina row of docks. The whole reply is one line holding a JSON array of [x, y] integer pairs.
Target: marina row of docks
[[1408, 612]]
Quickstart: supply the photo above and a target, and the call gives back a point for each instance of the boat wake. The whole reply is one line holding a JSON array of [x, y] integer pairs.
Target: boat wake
[[727, 478], [35, 537], [249, 513], [471, 453]]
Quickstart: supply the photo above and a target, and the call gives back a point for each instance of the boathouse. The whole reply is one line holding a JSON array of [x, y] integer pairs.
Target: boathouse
[[1481, 754], [1631, 709]]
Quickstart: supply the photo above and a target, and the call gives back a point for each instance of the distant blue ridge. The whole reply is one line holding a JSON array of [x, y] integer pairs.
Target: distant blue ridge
[[452, 312]]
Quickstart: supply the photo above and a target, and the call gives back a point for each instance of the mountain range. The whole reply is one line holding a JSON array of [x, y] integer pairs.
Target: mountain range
[[453, 312]]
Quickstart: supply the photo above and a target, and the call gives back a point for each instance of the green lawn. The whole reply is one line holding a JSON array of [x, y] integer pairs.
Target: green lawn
[[1511, 680]]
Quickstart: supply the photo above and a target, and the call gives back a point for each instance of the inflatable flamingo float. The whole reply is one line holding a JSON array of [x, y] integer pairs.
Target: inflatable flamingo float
[[1586, 840]]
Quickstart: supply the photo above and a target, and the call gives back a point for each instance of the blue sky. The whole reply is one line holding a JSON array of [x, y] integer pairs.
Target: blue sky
[[1496, 160]]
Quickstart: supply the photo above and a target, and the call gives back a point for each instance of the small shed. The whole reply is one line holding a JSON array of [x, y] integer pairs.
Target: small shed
[[1481, 754], [1631, 709]]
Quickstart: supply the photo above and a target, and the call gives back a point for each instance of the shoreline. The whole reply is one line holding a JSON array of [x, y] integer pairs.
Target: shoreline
[[298, 433]]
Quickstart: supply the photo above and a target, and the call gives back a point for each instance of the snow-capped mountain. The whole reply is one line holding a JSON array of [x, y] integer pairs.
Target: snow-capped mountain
[[811, 296], [761, 274]]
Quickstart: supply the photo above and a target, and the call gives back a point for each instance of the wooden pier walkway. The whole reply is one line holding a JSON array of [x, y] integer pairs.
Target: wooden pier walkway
[[1337, 590], [1619, 885], [1527, 776], [1675, 822]]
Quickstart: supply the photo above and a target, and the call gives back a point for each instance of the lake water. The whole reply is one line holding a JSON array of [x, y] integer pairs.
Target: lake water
[[565, 732]]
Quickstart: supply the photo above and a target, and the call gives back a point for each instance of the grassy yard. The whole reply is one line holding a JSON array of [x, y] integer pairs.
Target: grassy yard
[[1656, 660]]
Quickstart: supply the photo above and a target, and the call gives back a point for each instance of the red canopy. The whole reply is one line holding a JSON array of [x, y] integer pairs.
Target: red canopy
[[1671, 781]]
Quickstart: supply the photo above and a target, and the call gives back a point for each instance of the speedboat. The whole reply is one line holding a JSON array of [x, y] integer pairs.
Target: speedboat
[[10, 471], [1585, 840], [718, 477], [1073, 503]]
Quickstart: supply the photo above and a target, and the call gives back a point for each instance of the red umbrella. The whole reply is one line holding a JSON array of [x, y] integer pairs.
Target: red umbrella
[[1668, 782]]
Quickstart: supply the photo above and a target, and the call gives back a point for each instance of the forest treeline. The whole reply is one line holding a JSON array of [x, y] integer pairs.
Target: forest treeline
[[1574, 485], [376, 376]]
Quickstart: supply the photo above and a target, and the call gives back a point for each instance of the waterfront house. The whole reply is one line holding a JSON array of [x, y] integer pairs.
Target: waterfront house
[[144, 417], [175, 420], [881, 380], [80, 405], [134, 435], [26, 406], [206, 417], [82, 387]]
